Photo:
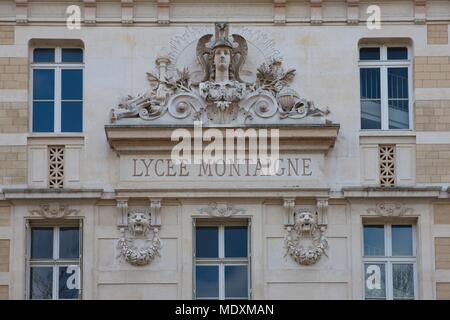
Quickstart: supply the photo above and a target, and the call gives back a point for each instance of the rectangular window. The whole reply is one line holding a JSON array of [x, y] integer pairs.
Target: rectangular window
[[57, 90], [221, 261], [54, 261], [385, 86], [389, 261]]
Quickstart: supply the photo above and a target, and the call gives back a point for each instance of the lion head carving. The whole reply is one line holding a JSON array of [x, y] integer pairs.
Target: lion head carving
[[305, 222], [138, 223]]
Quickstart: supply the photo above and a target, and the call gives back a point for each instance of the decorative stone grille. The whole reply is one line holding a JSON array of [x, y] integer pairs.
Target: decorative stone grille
[[387, 166], [56, 167]]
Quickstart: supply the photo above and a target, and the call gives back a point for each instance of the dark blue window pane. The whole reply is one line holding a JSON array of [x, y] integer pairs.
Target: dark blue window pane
[[398, 83], [41, 280], [207, 282], [236, 282], [400, 53], [43, 117], [69, 243], [72, 55], [72, 85], [44, 55], [369, 54], [402, 241], [207, 242], [72, 117], [43, 84], [374, 241], [235, 242], [42, 243], [69, 282], [398, 100], [370, 92]]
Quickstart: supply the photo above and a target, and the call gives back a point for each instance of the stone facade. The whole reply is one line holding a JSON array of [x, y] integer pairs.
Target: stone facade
[[443, 291], [432, 163], [13, 165], [441, 214], [437, 34], [6, 35], [442, 253], [432, 72], [108, 170], [13, 73], [432, 115], [13, 117], [4, 255]]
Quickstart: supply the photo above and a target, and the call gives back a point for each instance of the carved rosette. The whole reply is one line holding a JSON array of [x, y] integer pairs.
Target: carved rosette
[[139, 224], [223, 210], [56, 211], [305, 240]]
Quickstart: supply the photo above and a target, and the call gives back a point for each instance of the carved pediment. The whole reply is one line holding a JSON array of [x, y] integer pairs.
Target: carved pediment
[[222, 94]]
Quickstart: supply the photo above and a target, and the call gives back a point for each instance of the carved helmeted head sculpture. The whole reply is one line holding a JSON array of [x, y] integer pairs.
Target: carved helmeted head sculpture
[[221, 56], [138, 223], [305, 222]]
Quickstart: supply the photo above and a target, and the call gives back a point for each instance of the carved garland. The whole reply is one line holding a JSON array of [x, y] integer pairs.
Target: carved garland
[[306, 228], [140, 256], [139, 224]]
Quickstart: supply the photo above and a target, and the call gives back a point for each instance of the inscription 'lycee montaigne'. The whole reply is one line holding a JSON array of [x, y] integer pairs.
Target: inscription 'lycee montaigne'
[[289, 167]]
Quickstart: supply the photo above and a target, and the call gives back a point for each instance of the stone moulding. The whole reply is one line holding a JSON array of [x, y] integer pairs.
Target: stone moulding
[[390, 209], [56, 211], [221, 210]]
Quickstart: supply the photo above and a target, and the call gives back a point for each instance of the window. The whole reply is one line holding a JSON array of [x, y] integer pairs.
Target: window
[[54, 262], [57, 79], [385, 87], [389, 261], [222, 261]]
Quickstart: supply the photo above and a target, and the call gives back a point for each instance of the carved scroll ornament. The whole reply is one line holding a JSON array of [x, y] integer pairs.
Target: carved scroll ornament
[[221, 96]]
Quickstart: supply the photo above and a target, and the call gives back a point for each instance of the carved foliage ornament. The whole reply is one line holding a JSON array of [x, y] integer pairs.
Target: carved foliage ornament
[[221, 96], [55, 211], [305, 241], [222, 210], [139, 225], [390, 209]]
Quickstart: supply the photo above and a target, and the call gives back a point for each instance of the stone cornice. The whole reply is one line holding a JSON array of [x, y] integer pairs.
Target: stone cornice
[[129, 138], [395, 192]]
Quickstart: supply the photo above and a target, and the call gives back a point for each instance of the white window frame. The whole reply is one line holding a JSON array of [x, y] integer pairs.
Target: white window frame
[[383, 64], [57, 66], [388, 260], [55, 262], [221, 261]]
